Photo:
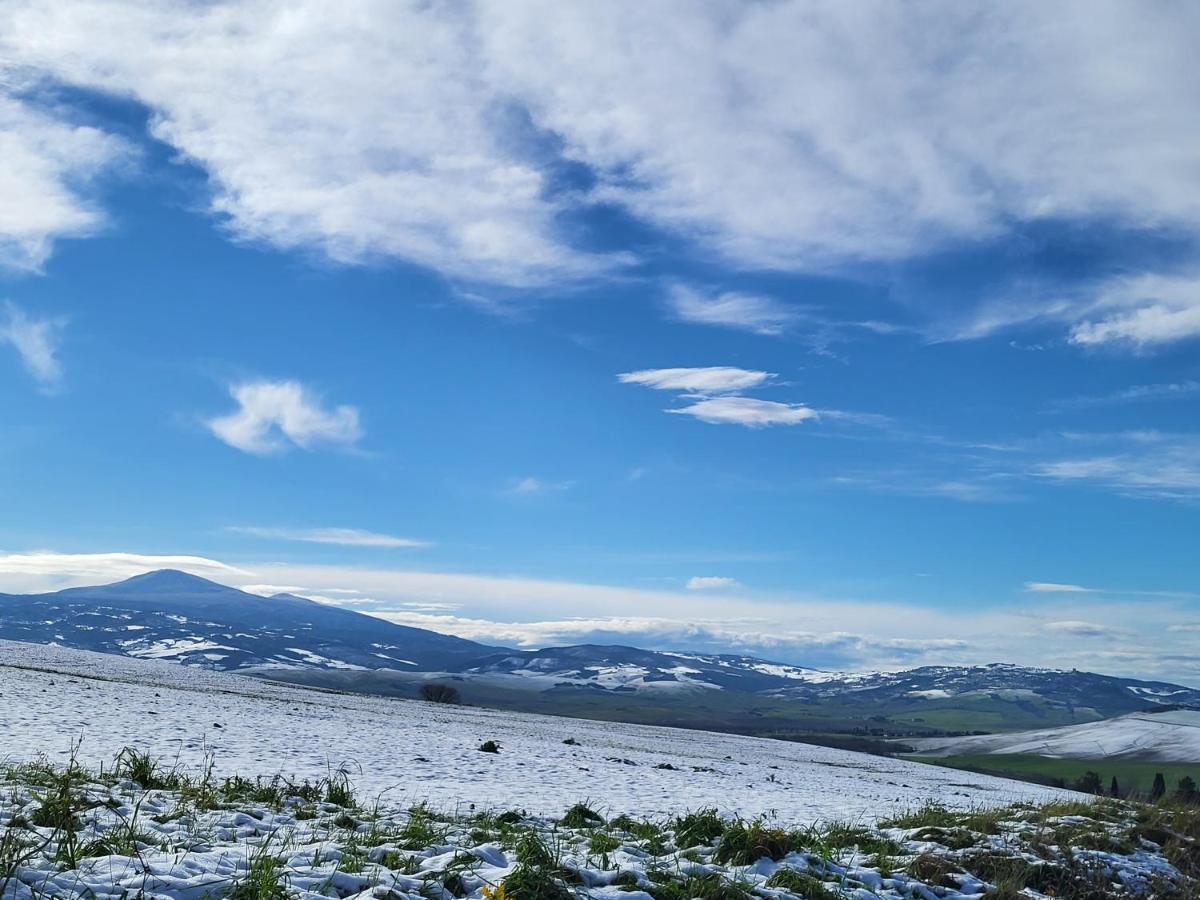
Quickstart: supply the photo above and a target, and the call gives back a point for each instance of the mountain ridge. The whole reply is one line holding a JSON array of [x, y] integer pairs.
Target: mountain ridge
[[176, 616]]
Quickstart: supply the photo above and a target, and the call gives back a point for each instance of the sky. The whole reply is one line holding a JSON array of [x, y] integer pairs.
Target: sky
[[849, 335]]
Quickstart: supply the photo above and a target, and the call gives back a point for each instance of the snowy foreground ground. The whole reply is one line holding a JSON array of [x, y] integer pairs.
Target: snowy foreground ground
[[423, 814], [407, 752]]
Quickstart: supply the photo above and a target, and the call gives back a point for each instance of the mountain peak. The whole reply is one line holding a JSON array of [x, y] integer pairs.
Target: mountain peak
[[162, 581]]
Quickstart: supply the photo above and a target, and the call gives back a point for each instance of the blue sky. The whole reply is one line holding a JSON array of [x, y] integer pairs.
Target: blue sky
[[547, 324]]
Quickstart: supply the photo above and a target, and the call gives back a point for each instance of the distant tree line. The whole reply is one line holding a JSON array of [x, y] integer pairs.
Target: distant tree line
[[1185, 789]]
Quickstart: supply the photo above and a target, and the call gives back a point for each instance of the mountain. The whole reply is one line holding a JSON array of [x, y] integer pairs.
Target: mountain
[[173, 615], [1156, 736]]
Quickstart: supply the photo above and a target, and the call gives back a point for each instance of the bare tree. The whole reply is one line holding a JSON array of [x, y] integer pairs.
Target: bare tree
[[439, 693]]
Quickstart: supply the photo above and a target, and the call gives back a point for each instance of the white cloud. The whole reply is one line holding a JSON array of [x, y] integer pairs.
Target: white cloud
[[48, 163], [704, 380], [747, 411], [747, 312], [367, 132], [273, 414], [1050, 587], [710, 582], [36, 343], [790, 134], [346, 537], [783, 135], [1142, 310]]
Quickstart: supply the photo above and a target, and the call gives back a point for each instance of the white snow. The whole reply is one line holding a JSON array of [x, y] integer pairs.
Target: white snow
[[1161, 737], [409, 750]]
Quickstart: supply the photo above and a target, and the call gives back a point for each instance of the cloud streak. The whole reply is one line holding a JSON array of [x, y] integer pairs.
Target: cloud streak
[[731, 309], [342, 537]]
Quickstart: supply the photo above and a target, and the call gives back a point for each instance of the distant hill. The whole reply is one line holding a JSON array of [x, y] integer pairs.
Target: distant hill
[[1167, 736], [194, 621], [174, 616]]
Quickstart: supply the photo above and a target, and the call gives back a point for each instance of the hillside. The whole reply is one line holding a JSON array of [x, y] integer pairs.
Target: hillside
[[246, 789], [1168, 736], [421, 751]]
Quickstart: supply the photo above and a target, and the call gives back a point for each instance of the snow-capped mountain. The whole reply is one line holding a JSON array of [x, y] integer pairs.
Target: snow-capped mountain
[[626, 669], [173, 615], [179, 617]]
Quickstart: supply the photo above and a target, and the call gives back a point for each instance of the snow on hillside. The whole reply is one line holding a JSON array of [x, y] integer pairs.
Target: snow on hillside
[[409, 751], [1160, 737]]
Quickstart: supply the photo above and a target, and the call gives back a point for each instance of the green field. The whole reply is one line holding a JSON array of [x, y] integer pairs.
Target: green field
[[1132, 775]]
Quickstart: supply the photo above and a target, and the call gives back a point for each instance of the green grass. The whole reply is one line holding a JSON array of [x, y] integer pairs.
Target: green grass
[[1132, 775]]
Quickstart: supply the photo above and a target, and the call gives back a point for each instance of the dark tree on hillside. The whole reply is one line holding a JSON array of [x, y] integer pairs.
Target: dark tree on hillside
[[1160, 787], [1114, 789], [440, 693], [1185, 791], [1090, 783]]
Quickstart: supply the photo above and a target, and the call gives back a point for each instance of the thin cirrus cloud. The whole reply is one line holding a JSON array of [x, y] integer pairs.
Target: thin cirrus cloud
[[36, 343], [1138, 393], [702, 380], [731, 309], [343, 537], [532, 486], [1051, 587], [939, 126], [275, 415], [1144, 464]]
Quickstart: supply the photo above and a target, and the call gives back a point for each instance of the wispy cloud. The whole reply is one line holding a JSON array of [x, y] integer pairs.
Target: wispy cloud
[[1051, 587], [710, 582], [49, 162], [36, 342], [1142, 310], [531, 486], [1146, 464], [746, 312], [747, 411], [704, 380], [1138, 393], [345, 537], [273, 415]]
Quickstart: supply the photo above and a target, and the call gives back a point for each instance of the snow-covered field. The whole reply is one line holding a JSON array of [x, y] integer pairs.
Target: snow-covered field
[[1158, 737], [407, 751]]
